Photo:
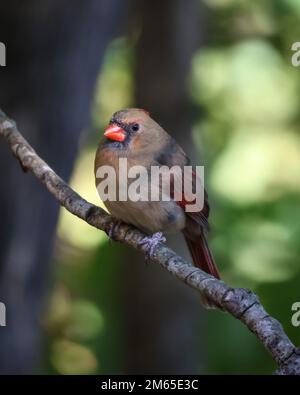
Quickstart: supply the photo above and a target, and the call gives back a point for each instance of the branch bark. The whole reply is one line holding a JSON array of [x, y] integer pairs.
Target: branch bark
[[243, 304]]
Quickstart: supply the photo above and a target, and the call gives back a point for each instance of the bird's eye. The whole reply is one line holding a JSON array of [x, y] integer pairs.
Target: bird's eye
[[135, 127]]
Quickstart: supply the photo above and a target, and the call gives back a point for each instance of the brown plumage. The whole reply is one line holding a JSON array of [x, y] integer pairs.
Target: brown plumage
[[134, 135]]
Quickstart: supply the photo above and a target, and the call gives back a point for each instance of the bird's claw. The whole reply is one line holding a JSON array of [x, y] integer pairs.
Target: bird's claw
[[151, 242]]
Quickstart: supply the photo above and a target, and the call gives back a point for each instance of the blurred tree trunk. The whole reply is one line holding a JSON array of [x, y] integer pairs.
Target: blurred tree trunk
[[54, 51], [163, 316]]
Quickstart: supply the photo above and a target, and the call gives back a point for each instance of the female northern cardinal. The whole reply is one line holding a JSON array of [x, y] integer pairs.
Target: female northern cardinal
[[134, 135]]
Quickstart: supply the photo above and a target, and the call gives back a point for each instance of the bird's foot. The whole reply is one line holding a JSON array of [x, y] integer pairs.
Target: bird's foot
[[151, 242], [114, 229]]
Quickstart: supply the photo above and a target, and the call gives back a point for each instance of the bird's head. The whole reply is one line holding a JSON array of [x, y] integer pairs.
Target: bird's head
[[130, 128]]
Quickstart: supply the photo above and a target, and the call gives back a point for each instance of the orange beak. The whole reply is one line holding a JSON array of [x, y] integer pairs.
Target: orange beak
[[115, 132]]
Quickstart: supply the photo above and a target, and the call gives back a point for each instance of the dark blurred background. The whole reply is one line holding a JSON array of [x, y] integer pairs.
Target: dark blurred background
[[217, 74]]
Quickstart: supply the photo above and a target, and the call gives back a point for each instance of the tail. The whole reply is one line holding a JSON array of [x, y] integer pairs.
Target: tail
[[203, 259], [202, 256]]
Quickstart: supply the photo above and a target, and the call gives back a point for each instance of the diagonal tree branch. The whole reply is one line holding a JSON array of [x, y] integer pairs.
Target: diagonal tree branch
[[243, 304]]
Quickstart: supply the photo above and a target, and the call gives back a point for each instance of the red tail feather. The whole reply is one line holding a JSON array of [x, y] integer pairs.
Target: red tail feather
[[203, 259], [202, 256]]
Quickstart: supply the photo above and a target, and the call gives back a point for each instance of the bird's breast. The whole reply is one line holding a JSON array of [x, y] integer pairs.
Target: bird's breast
[[142, 211], [149, 217]]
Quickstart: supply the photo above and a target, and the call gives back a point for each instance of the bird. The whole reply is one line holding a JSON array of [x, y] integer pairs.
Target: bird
[[134, 135]]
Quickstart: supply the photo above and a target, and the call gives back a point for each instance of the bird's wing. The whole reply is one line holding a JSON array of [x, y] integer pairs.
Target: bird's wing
[[171, 154]]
